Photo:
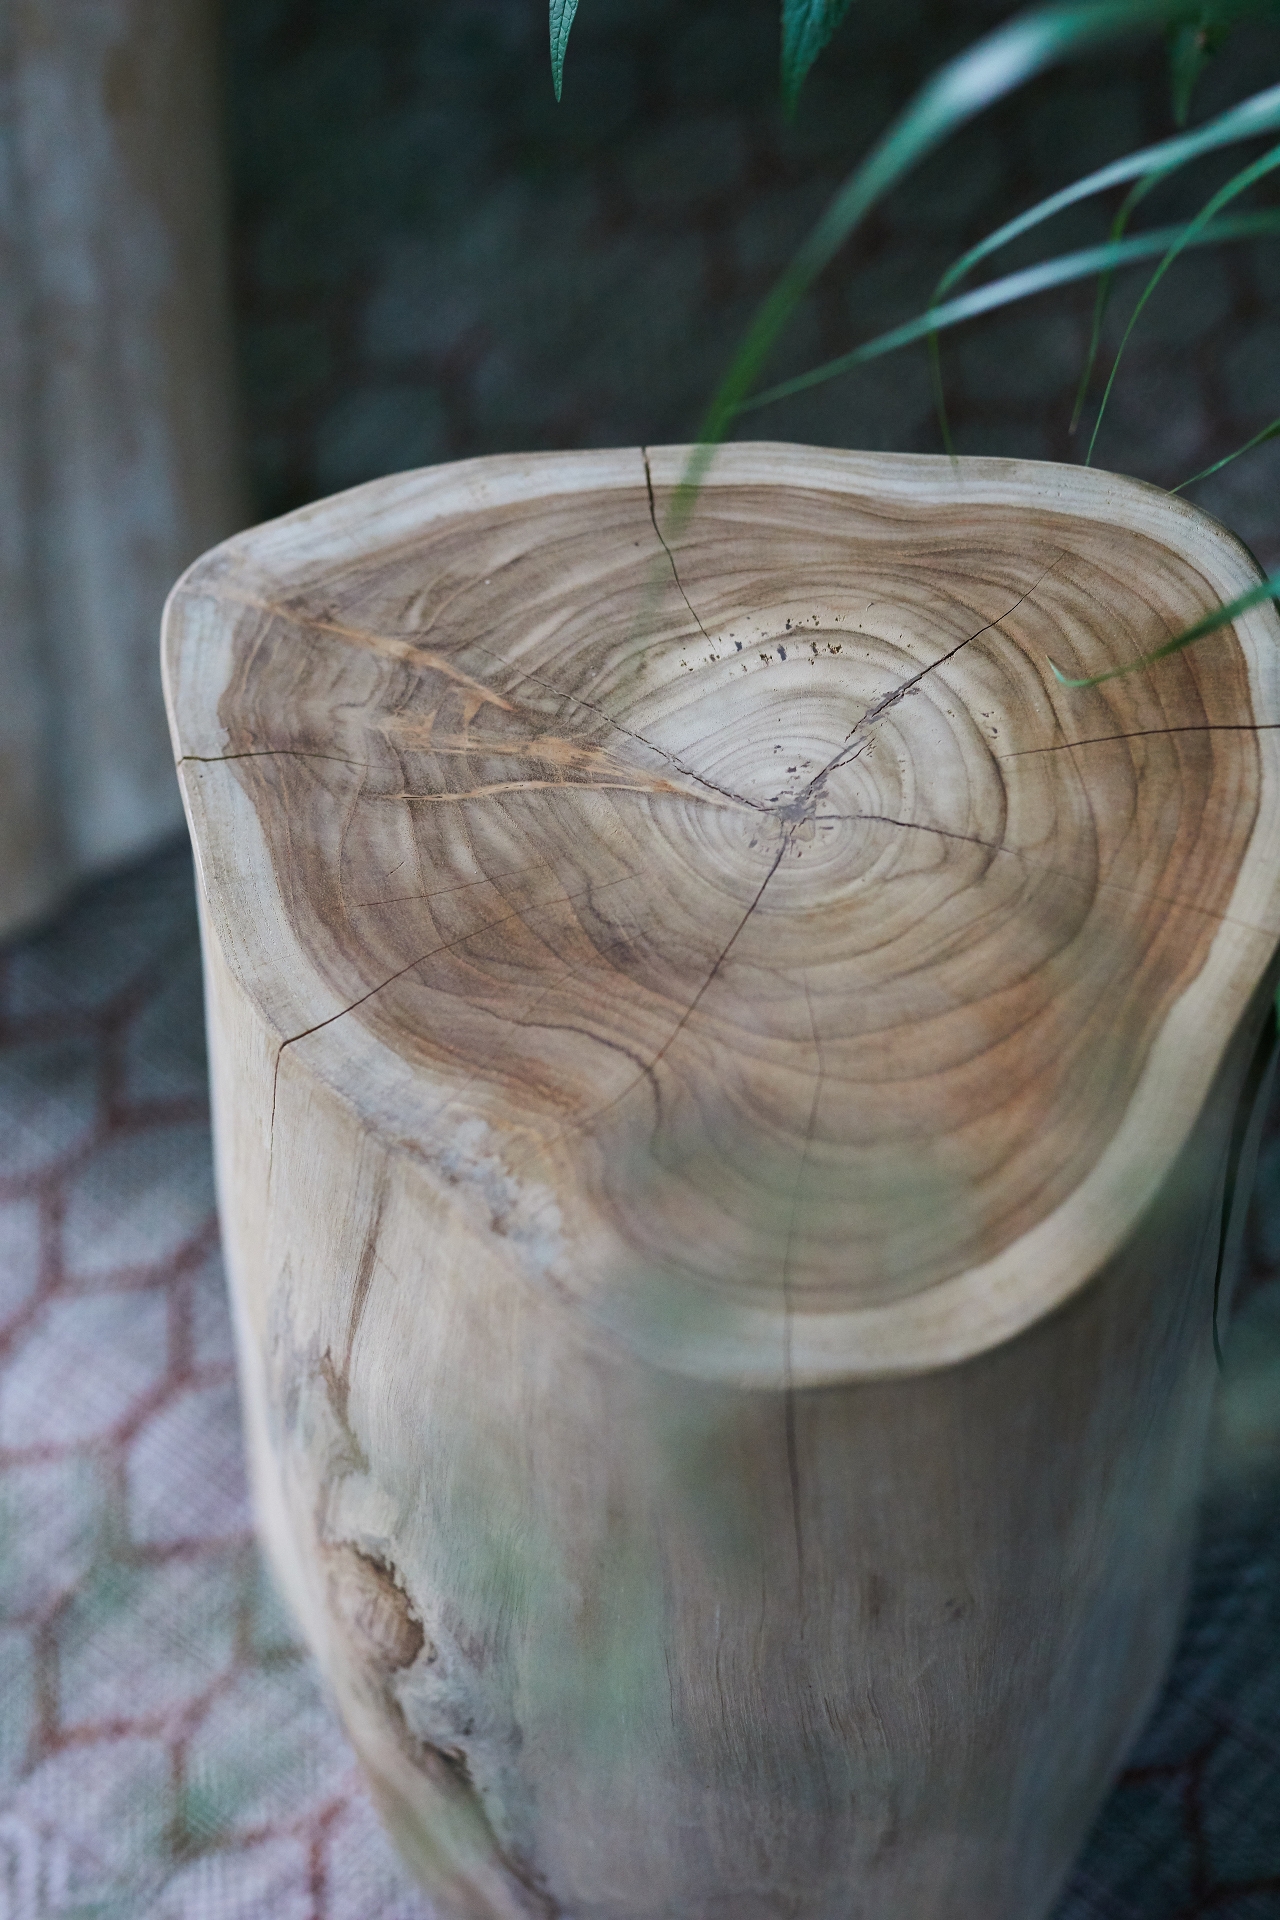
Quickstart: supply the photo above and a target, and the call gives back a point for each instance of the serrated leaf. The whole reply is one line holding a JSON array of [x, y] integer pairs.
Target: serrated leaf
[[562, 12], [807, 25]]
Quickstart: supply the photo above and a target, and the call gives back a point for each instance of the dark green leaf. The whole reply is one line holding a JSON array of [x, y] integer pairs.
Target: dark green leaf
[[562, 12], [1102, 298], [807, 25]]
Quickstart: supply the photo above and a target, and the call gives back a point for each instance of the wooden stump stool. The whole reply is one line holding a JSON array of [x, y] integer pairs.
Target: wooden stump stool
[[730, 1082]]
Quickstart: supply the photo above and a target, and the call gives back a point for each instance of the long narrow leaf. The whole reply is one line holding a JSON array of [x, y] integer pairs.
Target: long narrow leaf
[[1249, 120], [1192, 45], [1267, 433], [1147, 167], [940, 395], [1047, 274], [1238, 184], [1119, 226], [562, 12], [1102, 299], [999, 63], [807, 25], [1212, 623]]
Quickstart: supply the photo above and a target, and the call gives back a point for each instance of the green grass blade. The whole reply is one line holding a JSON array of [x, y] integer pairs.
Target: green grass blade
[[1192, 44], [1248, 120], [562, 12], [1267, 433], [1238, 184], [1102, 299], [1107, 257], [940, 395], [1030, 44], [999, 63], [1212, 623], [807, 25]]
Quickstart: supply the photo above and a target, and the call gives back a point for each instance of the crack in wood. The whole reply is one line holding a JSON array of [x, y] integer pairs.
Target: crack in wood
[[662, 542], [788, 1311], [814, 790], [460, 886], [662, 788], [1146, 733], [629, 733], [1059, 873], [650, 1070], [447, 946], [268, 753]]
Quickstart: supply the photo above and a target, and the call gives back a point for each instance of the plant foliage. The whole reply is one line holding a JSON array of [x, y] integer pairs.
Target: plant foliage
[[1192, 44], [562, 12], [1028, 45], [1237, 185], [1041, 278], [807, 25], [1269, 432], [1147, 168]]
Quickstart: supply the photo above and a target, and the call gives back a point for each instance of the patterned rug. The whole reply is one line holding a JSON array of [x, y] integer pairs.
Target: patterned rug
[[166, 1750]]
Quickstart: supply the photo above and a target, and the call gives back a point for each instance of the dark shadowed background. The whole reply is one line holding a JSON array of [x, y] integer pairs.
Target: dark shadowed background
[[431, 260]]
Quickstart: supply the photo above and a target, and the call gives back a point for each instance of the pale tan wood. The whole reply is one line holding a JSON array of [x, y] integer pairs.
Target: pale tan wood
[[725, 1074]]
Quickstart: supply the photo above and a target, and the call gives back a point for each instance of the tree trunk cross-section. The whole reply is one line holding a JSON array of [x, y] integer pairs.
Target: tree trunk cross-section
[[726, 1078]]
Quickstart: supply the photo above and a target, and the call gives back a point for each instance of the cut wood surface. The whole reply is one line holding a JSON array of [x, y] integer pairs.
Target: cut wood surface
[[661, 967]]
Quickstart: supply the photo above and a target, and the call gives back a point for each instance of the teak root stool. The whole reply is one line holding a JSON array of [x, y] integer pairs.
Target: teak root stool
[[730, 1082]]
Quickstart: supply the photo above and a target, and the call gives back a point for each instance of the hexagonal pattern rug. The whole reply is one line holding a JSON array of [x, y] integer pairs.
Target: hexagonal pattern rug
[[166, 1749]]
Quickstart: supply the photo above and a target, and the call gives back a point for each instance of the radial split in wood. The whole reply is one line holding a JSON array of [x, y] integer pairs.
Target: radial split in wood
[[660, 964], [764, 889]]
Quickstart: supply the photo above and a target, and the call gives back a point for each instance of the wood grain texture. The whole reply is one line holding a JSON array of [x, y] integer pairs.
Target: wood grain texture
[[725, 1073]]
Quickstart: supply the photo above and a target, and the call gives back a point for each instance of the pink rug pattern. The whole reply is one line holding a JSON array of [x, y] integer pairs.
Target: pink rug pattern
[[166, 1749]]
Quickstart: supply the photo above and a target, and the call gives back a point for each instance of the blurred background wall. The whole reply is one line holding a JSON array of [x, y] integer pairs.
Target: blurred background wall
[[430, 259], [434, 260], [118, 436]]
